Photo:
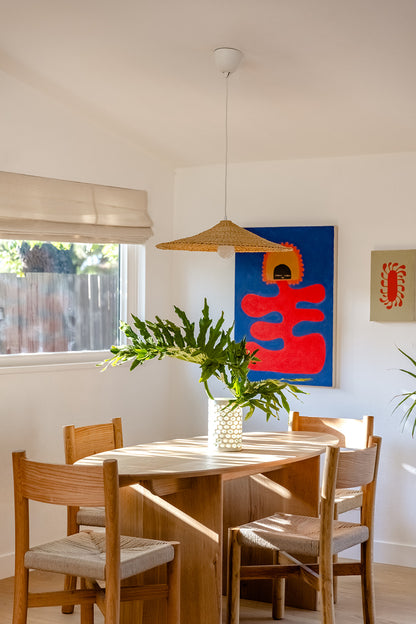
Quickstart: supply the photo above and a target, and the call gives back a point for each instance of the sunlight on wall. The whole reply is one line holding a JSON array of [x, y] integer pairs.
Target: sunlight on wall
[[408, 468]]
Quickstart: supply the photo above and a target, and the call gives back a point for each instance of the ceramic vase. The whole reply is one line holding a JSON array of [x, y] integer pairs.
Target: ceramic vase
[[225, 427]]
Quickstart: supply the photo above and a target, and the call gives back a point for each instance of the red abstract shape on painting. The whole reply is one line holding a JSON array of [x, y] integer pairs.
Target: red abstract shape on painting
[[392, 284], [300, 354]]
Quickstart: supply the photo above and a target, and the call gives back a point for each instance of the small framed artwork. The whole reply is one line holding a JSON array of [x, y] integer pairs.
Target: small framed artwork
[[392, 291], [284, 305]]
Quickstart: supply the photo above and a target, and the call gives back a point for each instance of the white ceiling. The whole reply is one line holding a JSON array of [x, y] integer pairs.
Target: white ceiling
[[319, 77]]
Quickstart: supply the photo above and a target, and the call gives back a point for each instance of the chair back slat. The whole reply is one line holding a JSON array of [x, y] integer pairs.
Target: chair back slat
[[346, 469], [83, 441], [356, 467], [351, 432], [61, 484]]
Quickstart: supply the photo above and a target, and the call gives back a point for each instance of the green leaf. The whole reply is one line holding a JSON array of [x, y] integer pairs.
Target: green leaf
[[216, 353], [188, 327], [408, 356], [403, 370], [207, 390], [407, 396], [204, 324]]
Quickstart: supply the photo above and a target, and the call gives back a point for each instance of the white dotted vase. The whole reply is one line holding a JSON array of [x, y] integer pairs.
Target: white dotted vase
[[225, 428]]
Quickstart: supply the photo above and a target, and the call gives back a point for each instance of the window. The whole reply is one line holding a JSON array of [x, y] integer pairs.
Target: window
[[62, 298], [58, 297]]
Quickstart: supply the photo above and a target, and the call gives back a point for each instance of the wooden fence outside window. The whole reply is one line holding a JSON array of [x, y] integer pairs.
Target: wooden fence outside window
[[53, 312]]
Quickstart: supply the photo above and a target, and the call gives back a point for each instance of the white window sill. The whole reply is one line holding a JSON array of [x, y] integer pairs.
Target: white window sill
[[25, 362]]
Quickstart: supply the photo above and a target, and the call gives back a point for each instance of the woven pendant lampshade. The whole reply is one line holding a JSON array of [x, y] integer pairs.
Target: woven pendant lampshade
[[224, 234], [226, 237]]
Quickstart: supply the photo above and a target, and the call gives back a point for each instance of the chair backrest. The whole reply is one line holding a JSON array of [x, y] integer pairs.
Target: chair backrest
[[67, 485], [345, 469], [80, 442], [351, 432]]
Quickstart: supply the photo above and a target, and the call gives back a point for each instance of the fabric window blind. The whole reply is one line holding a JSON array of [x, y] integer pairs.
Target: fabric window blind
[[48, 209]]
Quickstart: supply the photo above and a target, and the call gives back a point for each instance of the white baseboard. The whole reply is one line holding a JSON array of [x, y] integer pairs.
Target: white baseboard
[[384, 552], [387, 552], [395, 554], [6, 565]]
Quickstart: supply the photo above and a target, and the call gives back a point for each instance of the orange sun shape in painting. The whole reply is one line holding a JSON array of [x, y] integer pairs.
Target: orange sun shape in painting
[[284, 266]]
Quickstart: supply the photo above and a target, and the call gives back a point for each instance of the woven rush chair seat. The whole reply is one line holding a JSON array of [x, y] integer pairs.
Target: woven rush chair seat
[[91, 516], [299, 535], [346, 500], [84, 554]]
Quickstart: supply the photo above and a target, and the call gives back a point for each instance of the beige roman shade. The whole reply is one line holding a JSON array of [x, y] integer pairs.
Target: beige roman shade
[[46, 209]]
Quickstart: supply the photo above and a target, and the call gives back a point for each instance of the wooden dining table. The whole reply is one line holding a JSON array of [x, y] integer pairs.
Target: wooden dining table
[[180, 490]]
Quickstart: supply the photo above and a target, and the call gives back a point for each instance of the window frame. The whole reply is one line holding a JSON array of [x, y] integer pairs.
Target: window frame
[[132, 289]]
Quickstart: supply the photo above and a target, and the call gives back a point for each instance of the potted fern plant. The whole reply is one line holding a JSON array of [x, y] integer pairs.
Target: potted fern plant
[[218, 355], [408, 399]]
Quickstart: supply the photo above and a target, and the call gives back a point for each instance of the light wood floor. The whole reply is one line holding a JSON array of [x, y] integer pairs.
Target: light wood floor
[[395, 601]]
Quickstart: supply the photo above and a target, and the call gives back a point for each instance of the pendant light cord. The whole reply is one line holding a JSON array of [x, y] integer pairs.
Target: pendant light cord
[[227, 75]]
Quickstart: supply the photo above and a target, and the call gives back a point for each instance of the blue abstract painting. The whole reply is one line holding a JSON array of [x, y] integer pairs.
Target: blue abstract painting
[[284, 304]]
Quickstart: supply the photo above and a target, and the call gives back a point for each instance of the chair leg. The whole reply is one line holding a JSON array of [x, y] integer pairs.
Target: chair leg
[[278, 593], [21, 589], [327, 589], [367, 583], [87, 609], [87, 614], [70, 584], [234, 562], [174, 580], [335, 560], [335, 581]]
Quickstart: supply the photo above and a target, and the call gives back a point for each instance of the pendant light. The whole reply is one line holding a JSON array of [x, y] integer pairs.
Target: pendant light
[[225, 237]]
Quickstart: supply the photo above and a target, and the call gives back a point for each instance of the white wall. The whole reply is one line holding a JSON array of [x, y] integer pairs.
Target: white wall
[[42, 137], [372, 202]]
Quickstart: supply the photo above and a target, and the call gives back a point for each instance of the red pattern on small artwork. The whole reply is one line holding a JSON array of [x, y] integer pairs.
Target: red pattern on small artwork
[[392, 282]]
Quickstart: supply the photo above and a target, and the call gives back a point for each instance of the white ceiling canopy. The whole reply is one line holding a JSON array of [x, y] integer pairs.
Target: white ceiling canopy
[[319, 78]]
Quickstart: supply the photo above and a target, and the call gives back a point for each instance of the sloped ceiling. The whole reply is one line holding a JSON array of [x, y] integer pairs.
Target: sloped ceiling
[[319, 77]]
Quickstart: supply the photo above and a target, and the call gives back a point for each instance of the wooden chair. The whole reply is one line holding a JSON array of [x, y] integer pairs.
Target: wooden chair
[[80, 442], [291, 537], [81, 554], [351, 433]]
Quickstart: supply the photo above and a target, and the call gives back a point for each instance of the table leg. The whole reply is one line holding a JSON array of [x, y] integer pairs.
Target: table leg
[[192, 516]]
